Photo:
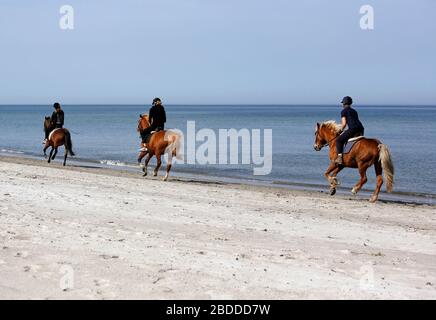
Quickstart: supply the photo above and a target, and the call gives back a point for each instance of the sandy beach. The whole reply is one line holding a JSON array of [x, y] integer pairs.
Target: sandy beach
[[116, 235]]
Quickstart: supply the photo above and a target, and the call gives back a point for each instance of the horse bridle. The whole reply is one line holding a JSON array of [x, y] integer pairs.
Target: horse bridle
[[328, 142]]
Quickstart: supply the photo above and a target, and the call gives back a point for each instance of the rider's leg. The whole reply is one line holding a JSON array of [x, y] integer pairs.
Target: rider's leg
[[340, 141], [144, 135], [47, 133]]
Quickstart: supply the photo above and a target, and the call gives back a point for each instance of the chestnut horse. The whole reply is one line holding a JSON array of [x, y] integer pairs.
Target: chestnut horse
[[364, 154], [161, 142], [57, 138]]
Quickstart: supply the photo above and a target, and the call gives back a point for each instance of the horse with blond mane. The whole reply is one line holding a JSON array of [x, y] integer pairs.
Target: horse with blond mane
[[363, 154], [160, 143]]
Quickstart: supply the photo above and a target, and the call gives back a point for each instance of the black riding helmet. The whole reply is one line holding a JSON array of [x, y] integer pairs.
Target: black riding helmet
[[156, 100], [347, 100], [56, 105]]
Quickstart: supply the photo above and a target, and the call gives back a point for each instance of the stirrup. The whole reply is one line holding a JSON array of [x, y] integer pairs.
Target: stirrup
[[339, 160]]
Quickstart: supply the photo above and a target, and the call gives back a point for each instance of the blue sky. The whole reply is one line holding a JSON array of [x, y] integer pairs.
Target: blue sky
[[217, 52]]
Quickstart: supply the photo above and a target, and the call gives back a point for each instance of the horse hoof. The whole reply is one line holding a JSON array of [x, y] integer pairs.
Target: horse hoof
[[165, 179], [373, 199], [354, 191], [334, 181], [154, 174], [332, 191], [145, 174]]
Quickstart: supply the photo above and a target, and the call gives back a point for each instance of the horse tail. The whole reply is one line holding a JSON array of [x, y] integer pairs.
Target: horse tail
[[174, 147], [69, 143], [387, 166]]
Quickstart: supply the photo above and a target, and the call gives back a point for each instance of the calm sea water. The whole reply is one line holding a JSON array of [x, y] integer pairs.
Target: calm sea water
[[108, 134]]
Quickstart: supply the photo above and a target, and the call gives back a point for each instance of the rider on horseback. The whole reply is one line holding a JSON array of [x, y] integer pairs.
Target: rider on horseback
[[349, 118], [157, 118], [57, 120]]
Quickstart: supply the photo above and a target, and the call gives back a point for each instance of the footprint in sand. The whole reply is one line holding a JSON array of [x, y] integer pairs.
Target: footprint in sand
[[101, 285], [31, 268], [22, 254]]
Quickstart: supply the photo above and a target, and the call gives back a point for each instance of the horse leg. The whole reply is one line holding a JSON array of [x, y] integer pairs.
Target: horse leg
[[159, 163], [335, 181], [141, 156], [147, 160], [363, 178], [331, 180], [379, 183], [65, 156], [51, 153], [45, 150], [168, 168], [55, 153]]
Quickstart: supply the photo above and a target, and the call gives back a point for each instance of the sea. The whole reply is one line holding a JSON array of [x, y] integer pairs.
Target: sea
[[105, 135]]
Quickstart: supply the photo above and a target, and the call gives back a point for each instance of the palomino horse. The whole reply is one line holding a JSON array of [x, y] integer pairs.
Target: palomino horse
[[364, 154], [57, 138], [161, 142]]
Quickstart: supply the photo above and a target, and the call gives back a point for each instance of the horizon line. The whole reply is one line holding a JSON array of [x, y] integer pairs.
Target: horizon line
[[221, 104]]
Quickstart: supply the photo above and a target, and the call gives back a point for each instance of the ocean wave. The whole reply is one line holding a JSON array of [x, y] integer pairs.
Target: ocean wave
[[113, 163], [11, 151]]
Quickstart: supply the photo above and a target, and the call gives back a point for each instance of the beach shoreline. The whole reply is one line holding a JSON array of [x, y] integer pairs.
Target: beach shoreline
[[124, 236], [182, 174]]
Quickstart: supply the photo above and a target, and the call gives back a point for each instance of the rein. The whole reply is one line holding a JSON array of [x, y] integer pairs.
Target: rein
[[328, 142]]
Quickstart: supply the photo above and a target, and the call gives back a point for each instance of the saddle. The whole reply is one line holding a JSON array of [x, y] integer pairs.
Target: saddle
[[351, 142], [51, 133], [148, 136]]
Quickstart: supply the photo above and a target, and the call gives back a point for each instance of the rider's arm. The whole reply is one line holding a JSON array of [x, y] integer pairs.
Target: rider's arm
[[53, 118], [150, 116], [344, 123]]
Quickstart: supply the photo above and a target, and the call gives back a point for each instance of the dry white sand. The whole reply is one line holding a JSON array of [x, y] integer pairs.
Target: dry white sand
[[115, 235]]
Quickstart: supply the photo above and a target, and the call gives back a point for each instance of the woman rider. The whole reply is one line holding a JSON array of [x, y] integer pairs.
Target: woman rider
[[349, 118], [57, 119], [157, 118]]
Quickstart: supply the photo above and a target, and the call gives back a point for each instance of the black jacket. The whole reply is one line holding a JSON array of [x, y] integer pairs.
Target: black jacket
[[57, 119], [352, 117], [157, 116]]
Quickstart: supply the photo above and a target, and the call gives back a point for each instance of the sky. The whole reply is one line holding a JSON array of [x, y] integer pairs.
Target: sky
[[218, 52]]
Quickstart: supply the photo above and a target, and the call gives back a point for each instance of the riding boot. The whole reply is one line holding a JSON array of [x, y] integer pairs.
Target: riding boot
[[339, 160], [144, 148]]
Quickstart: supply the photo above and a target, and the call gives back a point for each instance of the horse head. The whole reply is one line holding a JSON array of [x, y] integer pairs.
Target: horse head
[[324, 133], [47, 123], [143, 122]]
